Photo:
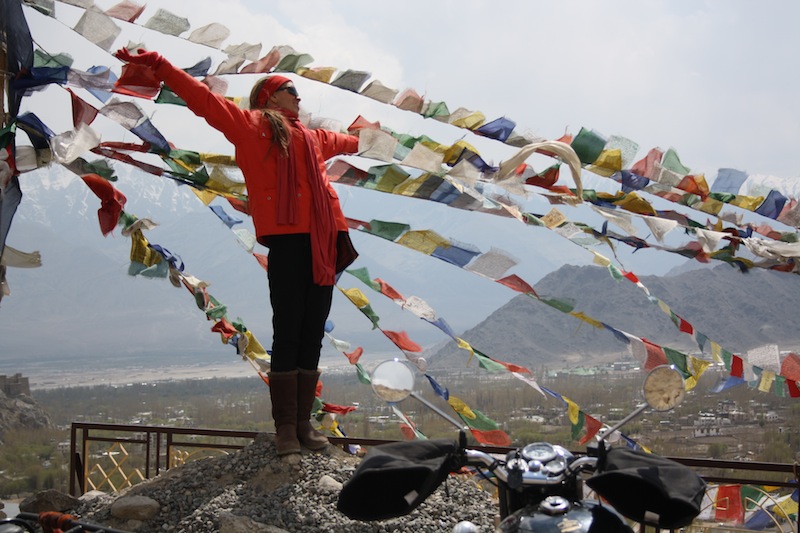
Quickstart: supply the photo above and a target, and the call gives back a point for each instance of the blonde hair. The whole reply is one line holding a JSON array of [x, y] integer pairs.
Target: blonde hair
[[280, 132]]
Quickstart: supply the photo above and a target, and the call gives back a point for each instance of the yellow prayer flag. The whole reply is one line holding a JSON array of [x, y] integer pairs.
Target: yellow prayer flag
[[716, 352], [608, 162], [323, 74], [141, 252], [425, 241], [410, 186], [785, 508], [356, 296], [218, 159], [750, 203], [204, 195], [254, 348], [696, 368], [767, 379], [589, 320], [461, 408], [553, 218], [573, 410], [435, 146], [464, 345], [219, 181], [601, 260], [471, 121], [664, 307], [452, 154], [709, 205], [636, 204]]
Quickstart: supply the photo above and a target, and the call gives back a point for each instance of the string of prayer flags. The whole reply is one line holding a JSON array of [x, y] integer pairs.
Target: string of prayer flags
[[648, 353], [598, 154]]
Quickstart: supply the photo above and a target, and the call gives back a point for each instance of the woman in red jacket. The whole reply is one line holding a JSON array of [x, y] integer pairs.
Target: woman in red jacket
[[296, 213]]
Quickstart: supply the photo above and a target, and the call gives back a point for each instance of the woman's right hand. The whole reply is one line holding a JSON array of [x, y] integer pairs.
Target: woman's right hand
[[143, 57]]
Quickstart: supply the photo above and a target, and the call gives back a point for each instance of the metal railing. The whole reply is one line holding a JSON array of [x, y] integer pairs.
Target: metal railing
[[166, 447]]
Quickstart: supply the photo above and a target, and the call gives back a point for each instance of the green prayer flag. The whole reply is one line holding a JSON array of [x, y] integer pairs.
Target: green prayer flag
[[363, 375], [481, 422], [363, 275], [588, 145], [485, 362], [369, 313], [672, 162], [388, 230]]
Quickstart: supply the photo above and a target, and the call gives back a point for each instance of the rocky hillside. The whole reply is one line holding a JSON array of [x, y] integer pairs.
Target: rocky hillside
[[739, 311], [21, 412], [253, 490]]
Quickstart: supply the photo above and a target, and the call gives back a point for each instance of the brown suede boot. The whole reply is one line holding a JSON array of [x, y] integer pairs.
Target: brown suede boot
[[306, 392], [283, 391]]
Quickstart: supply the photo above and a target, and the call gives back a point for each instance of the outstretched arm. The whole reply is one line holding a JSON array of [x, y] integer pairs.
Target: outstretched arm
[[221, 113]]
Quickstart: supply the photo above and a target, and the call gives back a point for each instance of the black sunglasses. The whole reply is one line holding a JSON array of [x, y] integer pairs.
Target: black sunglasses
[[291, 89]]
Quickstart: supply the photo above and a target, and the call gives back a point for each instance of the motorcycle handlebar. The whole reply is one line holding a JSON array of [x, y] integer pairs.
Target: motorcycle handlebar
[[478, 458]]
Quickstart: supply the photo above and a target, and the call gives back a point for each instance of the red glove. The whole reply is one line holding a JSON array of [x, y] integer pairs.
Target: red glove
[[144, 58]]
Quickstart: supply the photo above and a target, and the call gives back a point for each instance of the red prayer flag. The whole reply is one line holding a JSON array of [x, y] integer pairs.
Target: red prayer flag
[[518, 284], [388, 290], [655, 355], [355, 355], [592, 427], [224, 328], [494, 437], [728, 506], [265, 64], [794, 390], [111, 201], [737, 367], [645, 166], [690, 184], [361, 123], [790, 368], [337, 409], [685, 327], [127, 11], [138, 80], [401, 340], [631, 276], [512, 367], [408, 432], [545, 179], [239, 205], [82, 111], [262, 260]]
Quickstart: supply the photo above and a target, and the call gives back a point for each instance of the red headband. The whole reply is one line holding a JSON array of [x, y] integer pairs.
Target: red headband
[[268, 88]]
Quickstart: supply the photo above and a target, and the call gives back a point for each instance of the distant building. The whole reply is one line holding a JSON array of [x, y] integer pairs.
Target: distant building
[[15, 385]]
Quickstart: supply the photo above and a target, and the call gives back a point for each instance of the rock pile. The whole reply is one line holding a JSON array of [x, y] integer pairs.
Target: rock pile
[[253, 490], [21, 412]]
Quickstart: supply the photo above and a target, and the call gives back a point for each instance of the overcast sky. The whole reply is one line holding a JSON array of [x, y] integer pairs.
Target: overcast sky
[[715, 80]]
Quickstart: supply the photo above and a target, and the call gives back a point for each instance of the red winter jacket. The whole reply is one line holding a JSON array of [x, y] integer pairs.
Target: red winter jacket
[[257, 157]]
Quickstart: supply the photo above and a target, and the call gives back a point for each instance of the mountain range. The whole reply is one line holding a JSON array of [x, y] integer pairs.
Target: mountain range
[[738, 311]]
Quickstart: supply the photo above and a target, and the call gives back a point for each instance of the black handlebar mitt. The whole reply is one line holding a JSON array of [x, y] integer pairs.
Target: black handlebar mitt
[[649, 489], [393, 479]]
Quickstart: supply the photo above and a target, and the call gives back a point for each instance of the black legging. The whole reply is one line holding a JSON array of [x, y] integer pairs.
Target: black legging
[[299, 307]]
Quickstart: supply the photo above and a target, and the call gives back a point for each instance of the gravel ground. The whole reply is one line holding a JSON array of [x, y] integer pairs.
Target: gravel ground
[[254, 490]]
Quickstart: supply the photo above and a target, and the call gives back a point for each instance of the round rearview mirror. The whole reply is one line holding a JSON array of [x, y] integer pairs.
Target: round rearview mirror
[[664, 388], [393, 381]]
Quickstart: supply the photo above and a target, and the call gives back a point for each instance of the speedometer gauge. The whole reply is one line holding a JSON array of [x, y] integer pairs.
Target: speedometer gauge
[[539, 451]]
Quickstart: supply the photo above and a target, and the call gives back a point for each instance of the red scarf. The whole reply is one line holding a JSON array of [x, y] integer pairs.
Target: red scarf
[[323, 221]]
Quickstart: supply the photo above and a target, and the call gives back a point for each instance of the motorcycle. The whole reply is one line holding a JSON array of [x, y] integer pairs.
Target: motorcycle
[[50, 521], [539, 485]]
